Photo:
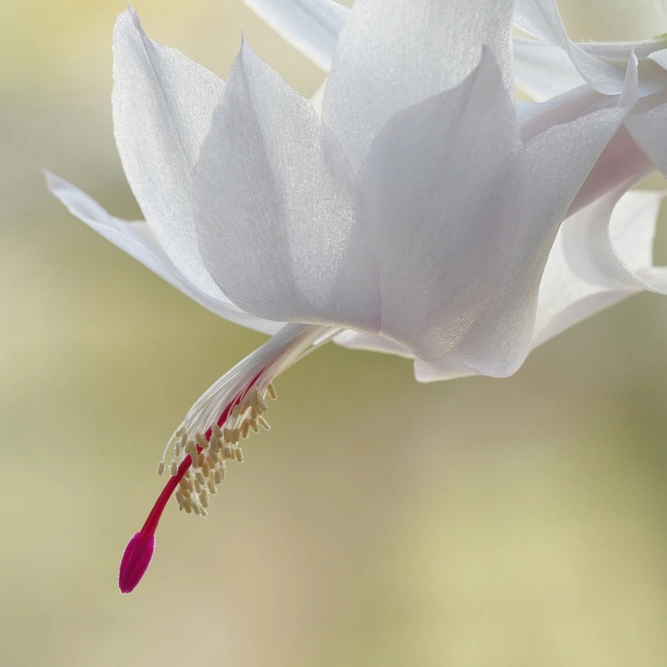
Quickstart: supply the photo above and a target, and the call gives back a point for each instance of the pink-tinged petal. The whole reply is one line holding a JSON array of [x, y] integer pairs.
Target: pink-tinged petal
[[138, 241], [310, 26], [602, 65], [602, 254], [276, 222], [392, 55], [162, 107], [543, 70]]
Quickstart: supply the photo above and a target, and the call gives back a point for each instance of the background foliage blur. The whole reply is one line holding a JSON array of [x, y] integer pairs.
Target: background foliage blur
[[511, 523]]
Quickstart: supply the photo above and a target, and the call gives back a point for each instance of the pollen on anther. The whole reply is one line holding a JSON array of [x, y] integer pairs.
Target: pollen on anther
[[173, 469], [272, 391], [238, 454], [160, 468]]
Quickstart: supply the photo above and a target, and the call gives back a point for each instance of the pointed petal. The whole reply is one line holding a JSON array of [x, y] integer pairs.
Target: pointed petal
[[138, 241], [543, 70], [461, 276], [277, 225], [391, 55], [442, 181], [541, 19], [603, 66], [556, 163], [162, 106], [310, 26]]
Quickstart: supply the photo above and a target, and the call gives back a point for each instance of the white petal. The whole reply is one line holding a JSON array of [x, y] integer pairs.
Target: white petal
[[543, 70], [468, 218], [448, 368], [603, 66], [647, 126], [137, 240], [442, 183], [311, 26], [614, 255], [162, 107], [391, 55], [617, 241], [277, 224], [354, 340], [602, 254]]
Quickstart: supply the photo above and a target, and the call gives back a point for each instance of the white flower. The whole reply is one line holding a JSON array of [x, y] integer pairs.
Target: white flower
[[415, 216]]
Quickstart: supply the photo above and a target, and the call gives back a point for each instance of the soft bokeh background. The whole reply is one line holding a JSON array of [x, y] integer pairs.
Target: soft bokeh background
[[509, 523]]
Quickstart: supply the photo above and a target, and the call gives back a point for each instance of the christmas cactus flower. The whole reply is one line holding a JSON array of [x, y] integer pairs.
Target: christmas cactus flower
[[416, 215]]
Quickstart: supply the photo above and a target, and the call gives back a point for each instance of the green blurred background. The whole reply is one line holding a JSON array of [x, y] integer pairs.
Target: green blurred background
[[509, 523]]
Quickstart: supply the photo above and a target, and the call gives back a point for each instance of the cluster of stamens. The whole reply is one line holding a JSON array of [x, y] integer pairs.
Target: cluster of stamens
[[211, 450]]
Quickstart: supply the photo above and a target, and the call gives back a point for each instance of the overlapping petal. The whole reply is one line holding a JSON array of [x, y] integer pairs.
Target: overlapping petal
[[138, 241], [442, 184], [603, 254], [393, 55], [602, 65], [162, 107], [647, 125], [586, 275], [543, 70], [275, 213]]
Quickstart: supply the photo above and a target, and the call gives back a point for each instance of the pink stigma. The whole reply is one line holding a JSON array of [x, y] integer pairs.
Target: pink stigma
[[136, 559]]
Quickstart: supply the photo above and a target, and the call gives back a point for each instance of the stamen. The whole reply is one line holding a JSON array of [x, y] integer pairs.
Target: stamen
[[210, 433]]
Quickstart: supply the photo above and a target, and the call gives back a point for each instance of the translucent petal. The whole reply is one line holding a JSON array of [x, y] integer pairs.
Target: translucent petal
[[162, 107], [467, 217], [138, 241], [620, 229], [602, 65], [391, 55], [442, 184], [602, 255], [311, 26], [275, 216], [647, 125], [543, 70], [354, 340]]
